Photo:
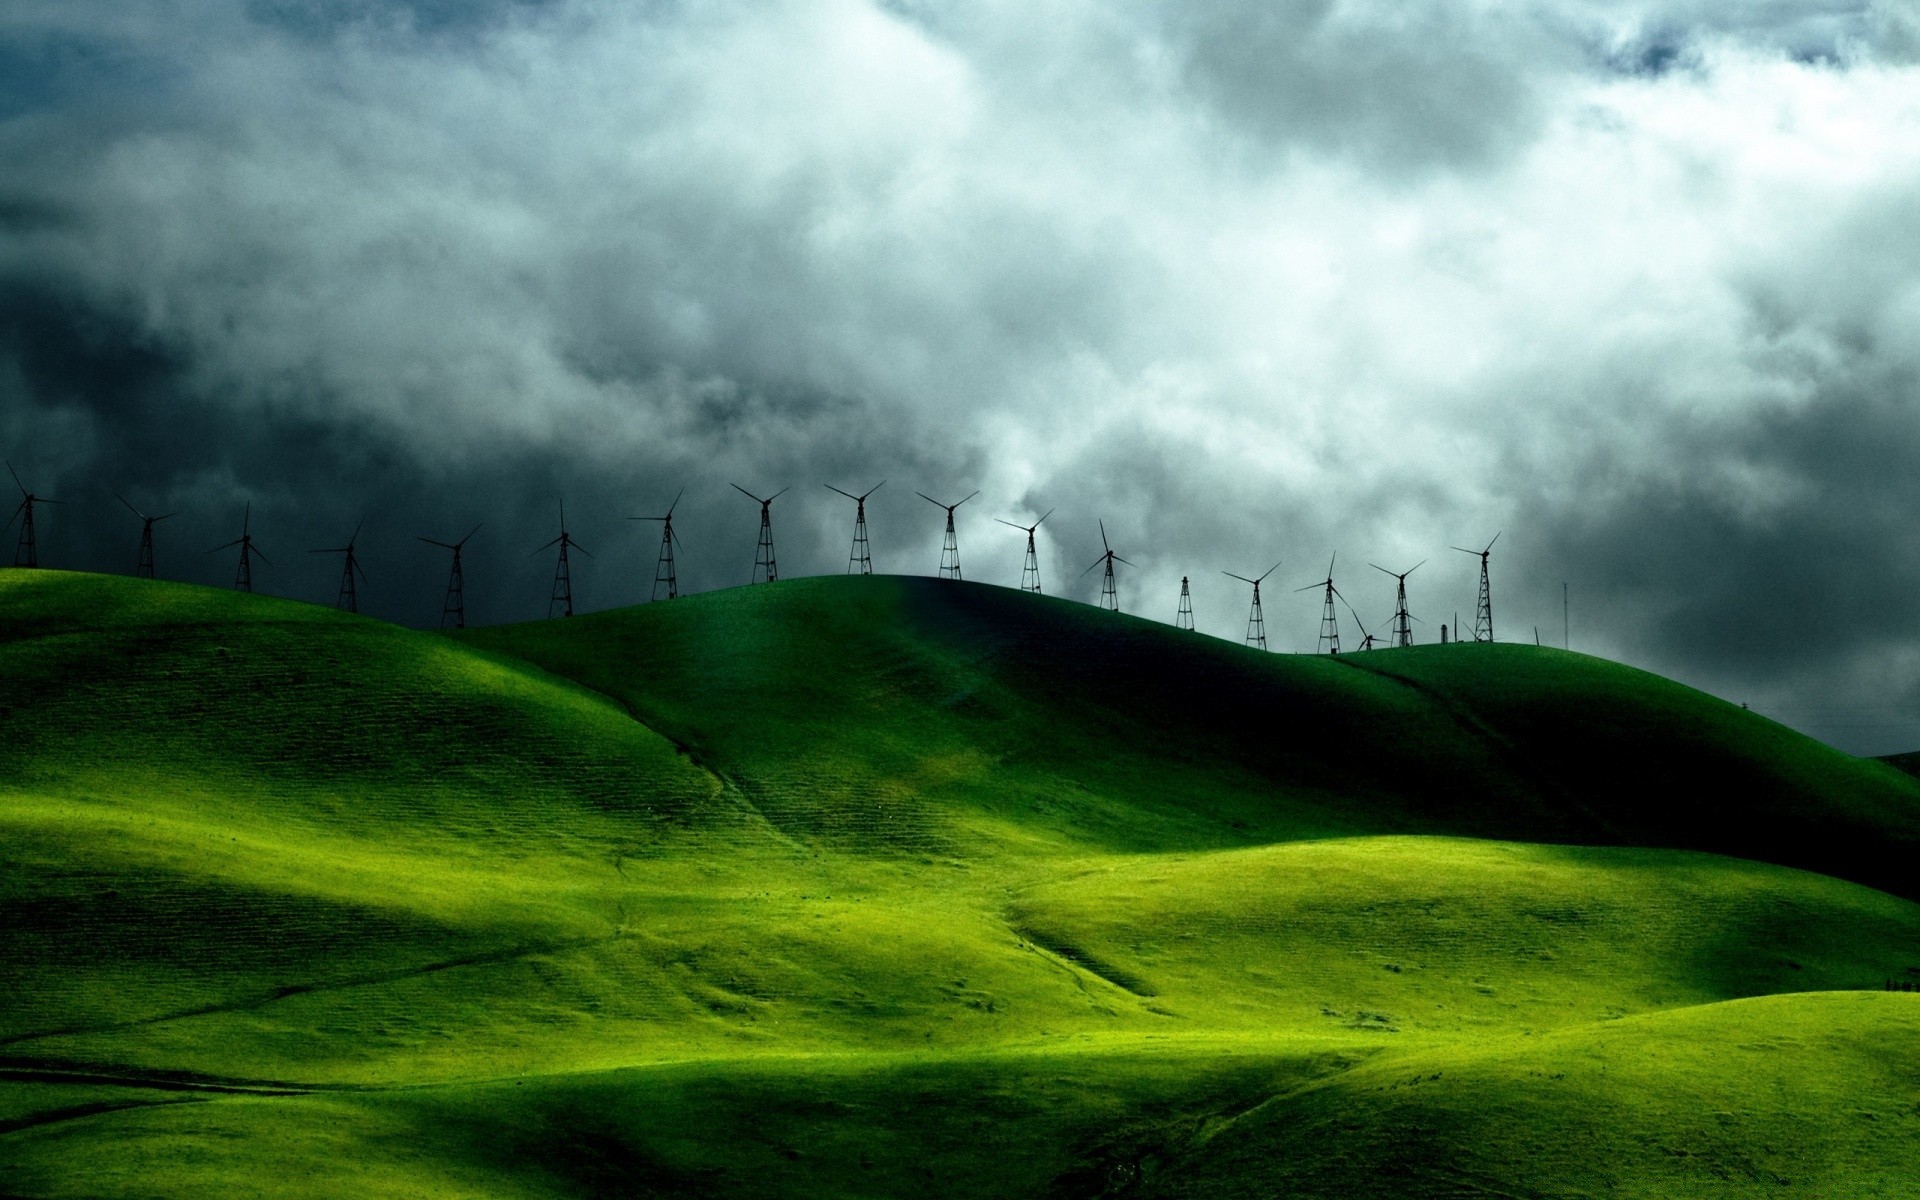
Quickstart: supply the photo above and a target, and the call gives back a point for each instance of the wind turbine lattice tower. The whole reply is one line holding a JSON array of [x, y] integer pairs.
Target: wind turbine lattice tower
[[664, 569], [860, 557], [1256, 618], [1329, 619], [454, 607], [143, 566], [1183, 616], [949, 549], [1109, 594], [1402, 620], [349, 597], [765, 569], [243, 574], [1030, 570], [1483, 608], [561, 595], [26, 553]]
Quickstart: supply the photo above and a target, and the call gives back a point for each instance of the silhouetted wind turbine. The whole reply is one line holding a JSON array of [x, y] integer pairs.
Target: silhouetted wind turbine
[[27, 552], [349, 597], [143, 567], [1109, 595], [1402, 620], [664, 570], [454, 607], [1256, 619], [950, 550], [1483, 611], [860, 558], [763, 561], [562, 593], [1329, 617], [243, 576], [1030, 572]]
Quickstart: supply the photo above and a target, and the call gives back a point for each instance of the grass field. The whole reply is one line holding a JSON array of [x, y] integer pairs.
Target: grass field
[[889, 886]]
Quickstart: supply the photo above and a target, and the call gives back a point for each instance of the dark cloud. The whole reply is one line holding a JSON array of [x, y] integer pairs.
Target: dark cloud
[[1635, 284]]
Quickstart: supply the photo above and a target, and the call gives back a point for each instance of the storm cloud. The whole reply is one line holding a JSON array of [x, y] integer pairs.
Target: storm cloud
[[1636, 284]]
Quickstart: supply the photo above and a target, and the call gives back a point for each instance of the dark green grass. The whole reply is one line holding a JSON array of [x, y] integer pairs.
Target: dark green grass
[[887, 887]]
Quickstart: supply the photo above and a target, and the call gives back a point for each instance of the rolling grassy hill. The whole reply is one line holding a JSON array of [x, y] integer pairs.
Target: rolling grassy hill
[[885, 886]]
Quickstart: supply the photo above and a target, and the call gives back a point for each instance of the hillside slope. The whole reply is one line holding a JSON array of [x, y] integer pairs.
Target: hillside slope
[[884, 886]]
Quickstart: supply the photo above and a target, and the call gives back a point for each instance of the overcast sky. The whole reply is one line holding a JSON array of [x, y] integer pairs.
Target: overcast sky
[[1636, 285]]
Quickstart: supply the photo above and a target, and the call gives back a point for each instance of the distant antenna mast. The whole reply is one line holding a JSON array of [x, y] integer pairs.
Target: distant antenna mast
[[764, 568], [143, 569], [860, 558], [1109, 595], [27, 552], [1256, 619], [1030, 572], [1183, 617], [454, 608], [349, 597], [1483, 611], [1329, 620], [561, 597], [243, 576], [664, 571], [1402, 620], [950, 549]]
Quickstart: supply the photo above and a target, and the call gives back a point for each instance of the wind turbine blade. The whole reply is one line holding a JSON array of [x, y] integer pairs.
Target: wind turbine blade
[[1312, 586], [848, 495], [1241, 578], [1011, 525], [16, 479], [876, 487], [929, 499], [1464, 550], [970, 495], [1270, 570], [580, 548], [1382, 570], [228, 546], [1096, 562], [1043, 517], [548, 546], [1416, 566], [744, 492], [676, 501], [429, 541], [1496, 537], [162, 517], [470, 533], [1117, 558], [261, 553], [130, 508], [783, 491]]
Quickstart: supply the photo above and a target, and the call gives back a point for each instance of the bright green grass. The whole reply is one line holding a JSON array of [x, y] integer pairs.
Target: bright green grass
[[884, 887]]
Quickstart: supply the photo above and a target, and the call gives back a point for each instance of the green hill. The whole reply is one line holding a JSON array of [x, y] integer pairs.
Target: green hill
[[888, 885]]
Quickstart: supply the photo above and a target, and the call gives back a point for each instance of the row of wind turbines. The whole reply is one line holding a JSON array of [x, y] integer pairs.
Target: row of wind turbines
[[766, 566]]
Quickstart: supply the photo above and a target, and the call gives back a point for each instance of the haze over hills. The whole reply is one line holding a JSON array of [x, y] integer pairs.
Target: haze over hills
[[869, 886]]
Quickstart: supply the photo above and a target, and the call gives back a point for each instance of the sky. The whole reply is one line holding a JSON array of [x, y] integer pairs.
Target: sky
[[1633, 285]]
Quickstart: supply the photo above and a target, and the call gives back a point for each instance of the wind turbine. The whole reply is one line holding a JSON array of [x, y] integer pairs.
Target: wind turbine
[[143, 568], [860, 558], [1109, 595], [349, 597], [763, 564], [27, 553], [243, 577], [1256, 619], [1483, 611], [562, 593], [1329, 622], [663, 567], [950, 551], [1402, 620], [455, 604], [1183, 615], [1029, 573]]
